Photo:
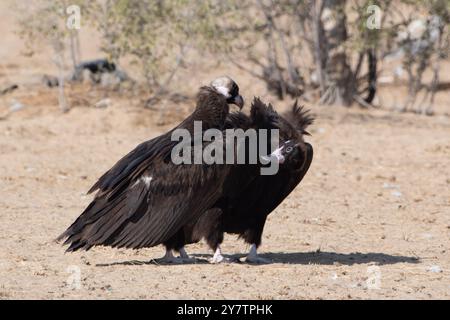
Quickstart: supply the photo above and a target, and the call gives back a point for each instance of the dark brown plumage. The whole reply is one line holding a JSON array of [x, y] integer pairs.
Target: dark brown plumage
[[244, 209], [144, 199]]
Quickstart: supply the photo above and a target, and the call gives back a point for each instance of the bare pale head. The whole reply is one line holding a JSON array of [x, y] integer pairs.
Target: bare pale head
[[229, 89]]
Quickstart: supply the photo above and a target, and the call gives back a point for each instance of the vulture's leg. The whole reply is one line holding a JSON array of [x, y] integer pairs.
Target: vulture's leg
[[169, 258], [210, 227], [253, 257], [183, 254], [218, 257], [214, 239], [176, 243], [185, 257], [253, 237]]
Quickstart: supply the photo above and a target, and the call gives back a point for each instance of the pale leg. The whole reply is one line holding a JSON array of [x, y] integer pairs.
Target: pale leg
[[218, 257], [169, 258], [185, 257], [253, 257]]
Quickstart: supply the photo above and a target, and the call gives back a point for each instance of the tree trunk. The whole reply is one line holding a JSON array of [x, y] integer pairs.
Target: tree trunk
[[319, 44], [75, 51], [339, 85], [372, 75], [61, 81]]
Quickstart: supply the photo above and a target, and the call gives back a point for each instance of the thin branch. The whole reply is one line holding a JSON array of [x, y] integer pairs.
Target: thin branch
[[163, 87], [240, 66]]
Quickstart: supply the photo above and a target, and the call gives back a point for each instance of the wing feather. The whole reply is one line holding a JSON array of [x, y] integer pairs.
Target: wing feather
[[144, 199]]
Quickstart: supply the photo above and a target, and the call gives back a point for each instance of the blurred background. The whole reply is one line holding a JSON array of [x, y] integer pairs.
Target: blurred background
[[371, 54]]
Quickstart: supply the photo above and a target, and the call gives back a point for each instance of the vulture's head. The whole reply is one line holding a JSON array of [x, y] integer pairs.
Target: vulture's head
[[229, 89], [293, 151], [294, 154]]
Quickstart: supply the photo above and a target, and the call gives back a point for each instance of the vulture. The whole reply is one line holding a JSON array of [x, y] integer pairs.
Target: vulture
[[251, 197], [145, 199]]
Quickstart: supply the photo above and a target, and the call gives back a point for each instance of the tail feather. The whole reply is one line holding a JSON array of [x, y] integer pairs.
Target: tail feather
[[102, 219]]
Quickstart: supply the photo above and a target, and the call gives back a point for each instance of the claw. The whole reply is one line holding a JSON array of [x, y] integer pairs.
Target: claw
[[185, 257], [169, 258]]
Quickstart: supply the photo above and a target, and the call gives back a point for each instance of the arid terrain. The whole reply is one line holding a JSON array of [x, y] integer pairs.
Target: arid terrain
[[371, 220]]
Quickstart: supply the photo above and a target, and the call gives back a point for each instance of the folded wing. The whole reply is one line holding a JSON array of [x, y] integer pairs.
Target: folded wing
[[144, 199]]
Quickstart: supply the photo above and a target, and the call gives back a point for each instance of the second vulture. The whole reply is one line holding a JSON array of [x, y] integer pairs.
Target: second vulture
[[251, 197]]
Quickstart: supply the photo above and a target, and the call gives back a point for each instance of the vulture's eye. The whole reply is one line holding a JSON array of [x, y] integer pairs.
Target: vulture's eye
[[289, 149]]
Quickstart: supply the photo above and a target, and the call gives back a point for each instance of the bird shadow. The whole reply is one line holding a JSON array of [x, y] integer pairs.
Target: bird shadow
[[302, 258], [154, 262], [333, 258]]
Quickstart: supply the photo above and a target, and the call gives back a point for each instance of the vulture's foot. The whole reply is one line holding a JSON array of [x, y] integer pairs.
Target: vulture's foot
[[185, 258], [253, 257], [218, 257], [169, 258]]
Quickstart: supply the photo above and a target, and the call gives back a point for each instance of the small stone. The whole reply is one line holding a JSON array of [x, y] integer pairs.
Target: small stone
[[16, 106], [104, 103], [435, 269], [389, 186], [397, 193]]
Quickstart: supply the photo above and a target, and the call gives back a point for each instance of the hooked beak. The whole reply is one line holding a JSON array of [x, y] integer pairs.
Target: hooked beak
[[276, 155], [239, 101]]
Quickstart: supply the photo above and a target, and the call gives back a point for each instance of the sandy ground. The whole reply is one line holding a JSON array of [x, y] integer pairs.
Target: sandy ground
[[370, 220]]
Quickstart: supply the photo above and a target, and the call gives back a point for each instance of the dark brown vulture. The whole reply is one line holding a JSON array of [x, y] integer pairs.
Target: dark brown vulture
[[251, 197], [145, 199]]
